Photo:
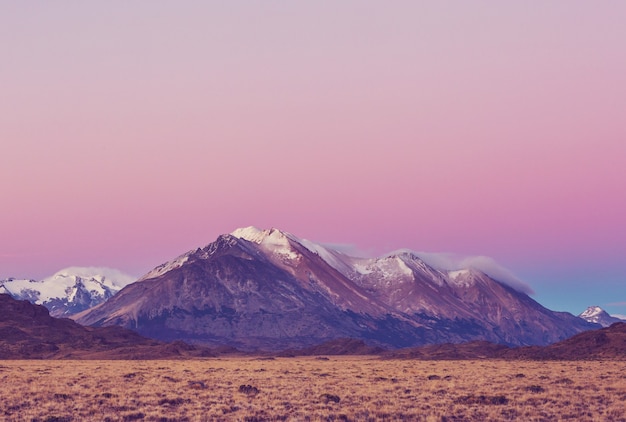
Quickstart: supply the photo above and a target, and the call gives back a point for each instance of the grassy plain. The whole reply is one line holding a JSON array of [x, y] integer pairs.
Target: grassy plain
[[303, 389]]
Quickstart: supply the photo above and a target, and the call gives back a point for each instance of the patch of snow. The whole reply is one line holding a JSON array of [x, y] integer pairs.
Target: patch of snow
[[363, 269], [403, 267], [389, 267], [335, 259], [461, 278], [108, 276], [272, 240], [456, 274], [168, 266], [250, 233]]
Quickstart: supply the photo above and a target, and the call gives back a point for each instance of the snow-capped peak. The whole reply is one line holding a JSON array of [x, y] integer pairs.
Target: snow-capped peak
[[598, 315], [271, 239], [70, 290], [107, 276], [250, 233], [256, 235], [591, 312]]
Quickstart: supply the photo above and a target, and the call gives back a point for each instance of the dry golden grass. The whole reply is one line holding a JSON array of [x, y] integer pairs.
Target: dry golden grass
[[302, 389]]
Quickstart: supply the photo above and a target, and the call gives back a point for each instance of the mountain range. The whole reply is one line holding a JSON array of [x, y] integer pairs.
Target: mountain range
[[70, 290], [270, 290], [27, 331]]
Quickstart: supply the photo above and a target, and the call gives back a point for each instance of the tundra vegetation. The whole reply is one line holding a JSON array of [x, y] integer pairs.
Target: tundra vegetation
[[312, 389]]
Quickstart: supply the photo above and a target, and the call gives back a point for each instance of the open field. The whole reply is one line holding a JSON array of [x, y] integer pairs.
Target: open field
[[300, 389]]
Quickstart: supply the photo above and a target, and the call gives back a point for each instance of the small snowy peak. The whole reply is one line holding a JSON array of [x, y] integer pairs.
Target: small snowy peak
[[167, 267], [597, 315], [388, 267], [363, 267], [406, 254], [95, 280], [417, 265], [256, 235], [591, 312], [272, 240], [250, 233], [101, 274], [412, 259]]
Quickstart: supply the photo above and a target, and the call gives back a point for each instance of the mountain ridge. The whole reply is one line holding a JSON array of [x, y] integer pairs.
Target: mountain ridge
[[269, 290], [605, 343], [70, 290], [28, 331]]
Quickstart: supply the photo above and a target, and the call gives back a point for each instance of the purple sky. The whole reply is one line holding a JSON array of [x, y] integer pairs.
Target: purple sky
[[132, 132]]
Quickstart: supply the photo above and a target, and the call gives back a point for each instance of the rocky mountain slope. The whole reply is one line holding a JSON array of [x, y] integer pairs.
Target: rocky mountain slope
[[69, 291], [28, 331], [605, 343], [267, 289], [597, 315]]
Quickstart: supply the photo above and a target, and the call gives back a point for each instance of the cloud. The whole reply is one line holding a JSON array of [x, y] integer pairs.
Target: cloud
[[347, 249], [118, 277], [449, 262], [616, 304], [485, 264]]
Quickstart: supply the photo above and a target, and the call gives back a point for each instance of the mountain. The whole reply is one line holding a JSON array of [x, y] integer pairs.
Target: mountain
[[604, 343], [478, 349], [269, 290], [597, 315], [340, 346], [27, 331], [69, 291]]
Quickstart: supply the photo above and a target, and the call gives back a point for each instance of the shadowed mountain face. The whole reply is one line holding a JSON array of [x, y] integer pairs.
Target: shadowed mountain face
[[269, 290], [28, 331], [606, 343]]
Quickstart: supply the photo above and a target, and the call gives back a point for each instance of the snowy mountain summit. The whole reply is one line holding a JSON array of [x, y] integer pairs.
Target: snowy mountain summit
[[70, 290], [598, 315]]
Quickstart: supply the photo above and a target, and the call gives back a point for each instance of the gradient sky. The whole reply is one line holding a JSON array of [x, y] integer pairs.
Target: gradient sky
[[131, 132]]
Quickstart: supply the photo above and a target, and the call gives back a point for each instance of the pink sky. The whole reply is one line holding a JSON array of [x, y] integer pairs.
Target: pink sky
[[133, 132]]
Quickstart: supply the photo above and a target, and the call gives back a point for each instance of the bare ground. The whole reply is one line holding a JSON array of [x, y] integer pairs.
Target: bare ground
[[312, 388]]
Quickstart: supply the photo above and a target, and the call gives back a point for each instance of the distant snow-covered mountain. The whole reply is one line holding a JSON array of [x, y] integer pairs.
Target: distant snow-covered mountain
[[598, 315], [70, 290]]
